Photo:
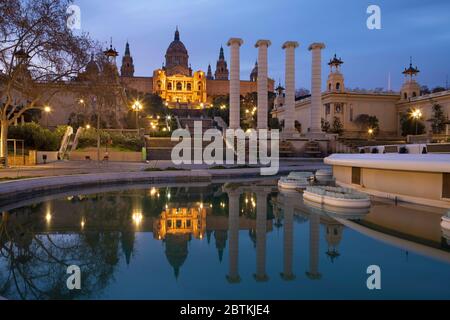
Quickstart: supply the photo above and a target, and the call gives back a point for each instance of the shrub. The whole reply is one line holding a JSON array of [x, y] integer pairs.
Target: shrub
[[130, 142], [37, 137]]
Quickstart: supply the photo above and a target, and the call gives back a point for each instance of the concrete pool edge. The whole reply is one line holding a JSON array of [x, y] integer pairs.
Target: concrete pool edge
[[23, 187]]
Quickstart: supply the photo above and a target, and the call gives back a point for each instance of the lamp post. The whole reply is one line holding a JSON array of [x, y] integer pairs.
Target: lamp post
[[416, 115], [47, 110], [137, 106]]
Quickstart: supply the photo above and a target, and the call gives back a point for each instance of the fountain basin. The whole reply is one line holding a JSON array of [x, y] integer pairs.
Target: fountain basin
[[337, 197], [295, 180]]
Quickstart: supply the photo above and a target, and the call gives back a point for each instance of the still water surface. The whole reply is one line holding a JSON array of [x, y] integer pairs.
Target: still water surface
[[232, 241]]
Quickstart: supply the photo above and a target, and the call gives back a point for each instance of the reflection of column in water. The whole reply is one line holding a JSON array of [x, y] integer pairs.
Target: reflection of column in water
[[288, 244], [5, 216], [314, 234], [233, 227], [261, 226]]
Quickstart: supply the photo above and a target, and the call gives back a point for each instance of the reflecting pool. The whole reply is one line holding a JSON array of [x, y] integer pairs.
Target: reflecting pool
[[218, 241]]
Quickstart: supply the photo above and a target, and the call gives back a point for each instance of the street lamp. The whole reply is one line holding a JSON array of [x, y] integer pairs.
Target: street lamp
[[47, 110], [137, 106], [416, 115]]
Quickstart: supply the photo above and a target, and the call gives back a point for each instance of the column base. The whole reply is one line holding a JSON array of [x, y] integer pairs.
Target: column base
[[314, 275], [261, 277], [233, 279], [287, 277]]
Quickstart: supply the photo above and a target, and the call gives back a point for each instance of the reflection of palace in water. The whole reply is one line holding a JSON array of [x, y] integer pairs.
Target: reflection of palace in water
[[175, 216]]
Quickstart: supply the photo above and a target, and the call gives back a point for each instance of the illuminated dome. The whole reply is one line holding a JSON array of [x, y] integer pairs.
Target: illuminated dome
[[177, 58]]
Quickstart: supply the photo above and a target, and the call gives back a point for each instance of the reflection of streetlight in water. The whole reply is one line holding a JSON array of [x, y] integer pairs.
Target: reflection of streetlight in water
[[137, 217]]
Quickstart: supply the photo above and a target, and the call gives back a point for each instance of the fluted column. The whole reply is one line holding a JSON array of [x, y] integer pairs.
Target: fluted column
[[262, 111], [289, 101], [235, 85], [316, 87], [288, 236], [314, 238], [233, 228]]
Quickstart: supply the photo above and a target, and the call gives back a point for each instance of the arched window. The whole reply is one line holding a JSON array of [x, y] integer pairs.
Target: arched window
[[189, 87], [169, 86], [338, 86], [329, 87], [414, 94], [405, 95], [179, 86], [200, 87], [159, 85]]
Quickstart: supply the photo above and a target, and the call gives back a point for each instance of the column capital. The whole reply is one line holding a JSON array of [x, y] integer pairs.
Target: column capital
[[289, 44], [316, 45], [266, 43], [237, 41]]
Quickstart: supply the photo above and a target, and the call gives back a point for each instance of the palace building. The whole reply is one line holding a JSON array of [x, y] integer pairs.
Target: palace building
[[345, 105], [179, 85]]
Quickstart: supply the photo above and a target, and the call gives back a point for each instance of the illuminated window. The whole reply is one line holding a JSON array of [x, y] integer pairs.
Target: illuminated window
[[169, 86], [179, 86], [189, 87]]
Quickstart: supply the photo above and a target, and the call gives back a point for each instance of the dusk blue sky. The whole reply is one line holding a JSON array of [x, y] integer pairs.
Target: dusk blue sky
[[415, 28]]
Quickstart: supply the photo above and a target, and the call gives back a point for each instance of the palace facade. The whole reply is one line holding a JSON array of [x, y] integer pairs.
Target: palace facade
[[179, 85], [346, 105]]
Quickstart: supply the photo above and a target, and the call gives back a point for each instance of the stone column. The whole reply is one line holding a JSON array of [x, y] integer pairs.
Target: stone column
[[314, 238], [289, 101], [235, 83], [316, 88], [261, 232], [262, 46], [233, 228], [288, 236]]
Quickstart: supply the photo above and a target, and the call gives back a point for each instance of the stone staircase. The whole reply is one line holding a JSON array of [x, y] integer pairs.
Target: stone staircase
[[312, 149], [286, 149]]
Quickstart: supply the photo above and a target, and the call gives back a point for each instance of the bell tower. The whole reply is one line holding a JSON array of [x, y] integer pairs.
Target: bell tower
[[221, 67], [127, 68], [209, 75], [410, 88], [335, 82]]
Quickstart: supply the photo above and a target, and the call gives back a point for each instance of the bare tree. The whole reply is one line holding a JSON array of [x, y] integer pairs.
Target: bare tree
[[38, 56]]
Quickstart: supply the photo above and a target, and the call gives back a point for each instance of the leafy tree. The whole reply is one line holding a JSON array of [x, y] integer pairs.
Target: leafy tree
[[325, 125], [337, 126], [366, 122], [36, 46], [438, 89], [220, 108], [409, 125], [424, 90], [438, 120]]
